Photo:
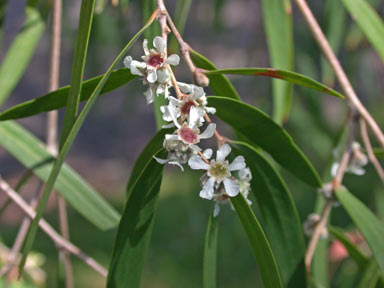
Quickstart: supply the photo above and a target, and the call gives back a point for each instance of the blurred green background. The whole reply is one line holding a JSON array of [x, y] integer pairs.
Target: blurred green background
[[231, 34]]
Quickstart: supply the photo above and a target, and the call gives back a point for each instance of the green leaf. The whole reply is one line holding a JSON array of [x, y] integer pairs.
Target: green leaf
[[219, 83], [261, 248], [3, 10], [32, 153], [352, 249], [135, 228], [280, 219], [370, 227], [369, 22], [277, 19], [21, 50], [289, 76], [379, 152], [210, 251], [67, 145], [264, 132], [335, 18], [371, 275], [81, 46], [58, 99]]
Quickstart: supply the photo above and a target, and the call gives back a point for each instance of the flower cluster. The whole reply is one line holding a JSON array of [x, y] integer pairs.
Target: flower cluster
[[357, 162], [188, 114]]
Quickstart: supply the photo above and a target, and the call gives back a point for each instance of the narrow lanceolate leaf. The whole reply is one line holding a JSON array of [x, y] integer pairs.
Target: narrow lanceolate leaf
[[210, 252], [289, 76], [353, 251], [220, 84], [335, 19], [81, 46], [370, 227], [264, 132], [68, 143], [22, 48], [31, 152], [277, 19], [58, 99], [370, 276], [135, 228], [369, 22], [280, 219], [261, 248]]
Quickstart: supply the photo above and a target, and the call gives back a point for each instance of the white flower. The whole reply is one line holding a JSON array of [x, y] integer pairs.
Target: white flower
[[189, 133], [357, 162], [218, 171], [154, 69], [326, 190], [310, 225]]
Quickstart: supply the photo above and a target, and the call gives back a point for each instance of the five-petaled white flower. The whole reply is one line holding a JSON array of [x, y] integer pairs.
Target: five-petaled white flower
[[218, 171]]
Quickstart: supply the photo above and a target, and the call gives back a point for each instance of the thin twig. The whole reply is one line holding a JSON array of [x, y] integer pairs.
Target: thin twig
[[368, 147], [60, 242], [52, 144], [340, 74]]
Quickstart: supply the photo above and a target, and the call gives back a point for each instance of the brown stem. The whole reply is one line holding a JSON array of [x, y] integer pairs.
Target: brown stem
[[60, 242], [340, 74], [368, 147]]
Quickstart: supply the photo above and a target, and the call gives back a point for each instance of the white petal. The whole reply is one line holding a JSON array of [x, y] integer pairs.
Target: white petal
[[193, 117], [335, 167], [237, 164], [194, 148], [149, 95], [208, 153], [208, 133], [207, 191], [127, 62], [245, 174], [223, 152], [177, 164], [185, 88], [173, 59], [161, 161], [231, 188], [163, 76], [171, 137], [166, 126], [145, 47], [159, 44], [197, 92], [216, 210], [174, 113], [210, 110], [136, 67], [152, 75], [196, 163]]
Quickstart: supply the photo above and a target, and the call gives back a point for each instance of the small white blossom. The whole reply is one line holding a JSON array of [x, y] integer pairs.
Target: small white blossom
[[218, 171], [310, 225], [357, 162]]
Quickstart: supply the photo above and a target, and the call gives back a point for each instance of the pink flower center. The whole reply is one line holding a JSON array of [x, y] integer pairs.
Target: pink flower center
[[155, 60], [188, 135], [187, 107]]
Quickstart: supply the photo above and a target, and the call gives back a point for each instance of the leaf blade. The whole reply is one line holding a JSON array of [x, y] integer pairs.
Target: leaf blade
[[266, 134], [210, 251]]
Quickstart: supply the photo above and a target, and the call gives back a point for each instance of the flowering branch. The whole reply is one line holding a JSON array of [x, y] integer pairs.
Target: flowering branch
[[60, 242]]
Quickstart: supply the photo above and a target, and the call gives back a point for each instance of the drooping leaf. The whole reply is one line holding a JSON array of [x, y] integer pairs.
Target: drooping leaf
[[210, 252], [262, 251], [370, 276], [31, 152], [370, 227], [277, 19], [81, 46], [264, 132], [280, 219], [353, 251], [289, 76], [22, 48], [135, 228], [68, 144], [58, 99], [369, 22], [220, 84]]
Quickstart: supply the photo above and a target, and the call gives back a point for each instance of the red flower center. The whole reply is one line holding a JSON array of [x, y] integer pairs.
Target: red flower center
[[187, 107], [155, 60], [188, 135]]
